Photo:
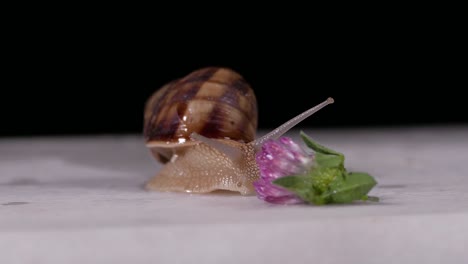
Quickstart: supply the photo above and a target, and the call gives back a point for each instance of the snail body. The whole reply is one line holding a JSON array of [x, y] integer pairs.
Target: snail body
[[202, 127]]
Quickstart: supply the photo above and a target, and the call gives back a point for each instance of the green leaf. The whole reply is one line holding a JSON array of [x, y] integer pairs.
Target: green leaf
[[294, 182], [323, 177], [298, 184], [324, 157], [311, 187], [317, 147], [328, 181], [355, 187], [329, 161]]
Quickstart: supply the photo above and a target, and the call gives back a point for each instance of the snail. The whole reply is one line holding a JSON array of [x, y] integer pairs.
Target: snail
[[202, 127]]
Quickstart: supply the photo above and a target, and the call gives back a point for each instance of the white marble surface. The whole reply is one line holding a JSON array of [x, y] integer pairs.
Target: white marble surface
[[80, 200]]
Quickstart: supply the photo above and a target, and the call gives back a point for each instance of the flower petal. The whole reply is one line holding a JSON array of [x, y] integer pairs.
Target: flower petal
[[278, 159]]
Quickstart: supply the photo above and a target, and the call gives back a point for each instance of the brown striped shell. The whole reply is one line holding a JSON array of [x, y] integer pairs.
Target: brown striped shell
[[213, 102]]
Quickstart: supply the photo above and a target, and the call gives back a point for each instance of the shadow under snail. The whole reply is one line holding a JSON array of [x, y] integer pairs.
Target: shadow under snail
[[202, 127]]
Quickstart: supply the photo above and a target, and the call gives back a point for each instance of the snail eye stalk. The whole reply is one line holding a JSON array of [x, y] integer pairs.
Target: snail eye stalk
[[278, 132]]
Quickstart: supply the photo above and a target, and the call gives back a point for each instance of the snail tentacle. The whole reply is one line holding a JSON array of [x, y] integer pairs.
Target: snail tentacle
[[278, 132]]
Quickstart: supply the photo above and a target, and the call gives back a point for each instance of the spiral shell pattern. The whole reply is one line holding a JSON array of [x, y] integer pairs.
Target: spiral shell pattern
[[214, 102]]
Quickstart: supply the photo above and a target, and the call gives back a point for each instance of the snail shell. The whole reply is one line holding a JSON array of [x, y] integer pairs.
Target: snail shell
[[213, 102]]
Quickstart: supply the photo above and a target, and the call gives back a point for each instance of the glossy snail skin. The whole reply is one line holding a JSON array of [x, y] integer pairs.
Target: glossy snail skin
[[216, 103], [203, 169]]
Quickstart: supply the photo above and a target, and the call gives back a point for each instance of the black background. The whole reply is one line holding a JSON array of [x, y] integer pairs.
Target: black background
[[81, 76]]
